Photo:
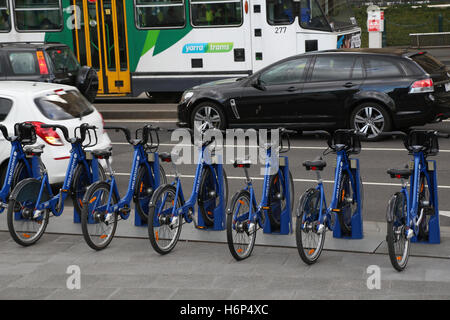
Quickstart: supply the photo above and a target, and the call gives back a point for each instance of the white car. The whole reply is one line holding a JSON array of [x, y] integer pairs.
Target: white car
[[48, 103]]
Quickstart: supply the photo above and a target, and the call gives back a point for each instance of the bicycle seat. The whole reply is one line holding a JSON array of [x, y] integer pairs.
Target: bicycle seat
[[165, 157], [314, 165], [239, 163], [404, 173], [34, 150], [102, 153]]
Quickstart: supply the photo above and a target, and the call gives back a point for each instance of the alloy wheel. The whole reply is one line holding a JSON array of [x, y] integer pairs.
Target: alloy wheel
[[207, 117], [369, 120]]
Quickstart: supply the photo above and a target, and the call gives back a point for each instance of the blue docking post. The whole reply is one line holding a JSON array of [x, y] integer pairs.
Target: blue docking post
[[286, 214], [434, 233], [357, 220]]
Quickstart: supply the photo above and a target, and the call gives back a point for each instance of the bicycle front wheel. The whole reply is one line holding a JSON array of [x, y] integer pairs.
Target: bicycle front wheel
[[309, 241], [347, 204], [241, 233], [209, 197], [25, 224], [81, 181], [277, 197], [163, 227], [398, 243], [97, 224]]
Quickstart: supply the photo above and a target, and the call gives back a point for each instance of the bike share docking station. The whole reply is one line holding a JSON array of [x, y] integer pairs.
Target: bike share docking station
[[276, 209], [357, 220], [434, 233]]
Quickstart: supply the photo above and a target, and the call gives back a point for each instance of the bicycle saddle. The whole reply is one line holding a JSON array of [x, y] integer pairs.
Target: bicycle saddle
[[239, 163], [103, 153], [34, 150], [165, 157], [314, 165], [404, 173]]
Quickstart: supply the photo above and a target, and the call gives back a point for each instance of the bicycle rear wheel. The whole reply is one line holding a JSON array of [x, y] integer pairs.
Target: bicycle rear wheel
[[277, 197], [241, 236], [163, 227], [98, 226], [144, 191], [25, 224], [398, 244], [208, 197], [347, 204], [309, 242]]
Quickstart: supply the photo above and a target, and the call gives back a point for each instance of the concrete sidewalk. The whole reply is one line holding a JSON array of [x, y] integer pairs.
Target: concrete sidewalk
[[130, 269]]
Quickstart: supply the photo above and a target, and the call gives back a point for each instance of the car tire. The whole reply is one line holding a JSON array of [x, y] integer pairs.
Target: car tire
[[209, 113], [87, 83], [371, 118]]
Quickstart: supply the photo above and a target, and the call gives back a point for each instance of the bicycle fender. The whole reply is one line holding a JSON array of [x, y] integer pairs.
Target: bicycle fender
[[32, 186], [391, 207], [85, 200], [308, 193]]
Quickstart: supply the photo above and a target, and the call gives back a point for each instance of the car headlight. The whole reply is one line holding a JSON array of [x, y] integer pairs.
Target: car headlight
[[186, 96]]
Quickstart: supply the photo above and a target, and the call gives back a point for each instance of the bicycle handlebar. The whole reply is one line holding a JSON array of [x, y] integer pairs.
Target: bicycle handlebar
[[4, 131], [60, 127], [413, 142]]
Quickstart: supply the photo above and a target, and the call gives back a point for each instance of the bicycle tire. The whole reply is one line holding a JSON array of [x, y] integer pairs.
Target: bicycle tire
[[309, 204], [399, 220], [424, 196], [24, 196], [239, 253], [345, 220], [141, 195], [154, 217], [80, 183], [94, 192], [204, 193]]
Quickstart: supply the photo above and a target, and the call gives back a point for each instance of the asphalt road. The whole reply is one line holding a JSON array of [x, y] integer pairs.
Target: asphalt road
[[375, 159]]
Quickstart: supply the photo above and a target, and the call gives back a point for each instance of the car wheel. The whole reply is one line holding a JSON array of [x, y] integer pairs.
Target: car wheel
[[208, 115], [372, 119]]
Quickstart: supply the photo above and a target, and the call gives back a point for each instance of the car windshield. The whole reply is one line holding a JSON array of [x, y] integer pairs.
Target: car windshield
[[429, 63], [64, 105], [63, 59]]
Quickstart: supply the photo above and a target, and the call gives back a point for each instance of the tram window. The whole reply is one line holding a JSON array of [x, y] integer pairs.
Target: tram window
[[160, 14], [312, 17], [23, 63], [206, 13], [34, 15], [5, 21], [280, 12]]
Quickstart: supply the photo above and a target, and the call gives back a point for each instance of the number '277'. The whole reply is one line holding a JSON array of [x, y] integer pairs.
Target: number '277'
[[279, 30]]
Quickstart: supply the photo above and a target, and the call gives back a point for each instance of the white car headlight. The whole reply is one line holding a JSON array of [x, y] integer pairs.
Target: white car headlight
[[186, 96]]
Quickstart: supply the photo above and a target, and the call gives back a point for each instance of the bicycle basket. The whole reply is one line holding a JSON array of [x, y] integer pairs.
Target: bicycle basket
[[26, 133], [349, 139], [428, 140]]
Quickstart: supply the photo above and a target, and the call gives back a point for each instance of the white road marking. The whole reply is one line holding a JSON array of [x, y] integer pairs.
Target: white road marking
[[140, 120], [444, 213]]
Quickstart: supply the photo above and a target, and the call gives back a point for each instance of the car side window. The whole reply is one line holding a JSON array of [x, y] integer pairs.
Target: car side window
[[23, 63], [332, 68], [291, 71], [381, 68], [5, 108]]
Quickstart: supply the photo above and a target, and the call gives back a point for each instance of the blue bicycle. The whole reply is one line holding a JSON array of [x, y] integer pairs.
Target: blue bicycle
[[313, 216], [22, 162], [410, 215], [168, 208], [245, 217], [32, 199], [102, 204]]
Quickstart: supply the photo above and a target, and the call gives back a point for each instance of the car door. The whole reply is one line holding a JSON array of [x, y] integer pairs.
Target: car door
[[270, 97], [332, 81]]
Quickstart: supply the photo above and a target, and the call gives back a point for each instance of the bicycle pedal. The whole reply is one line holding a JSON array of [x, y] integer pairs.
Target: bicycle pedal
[[3, 205], [125, 210]]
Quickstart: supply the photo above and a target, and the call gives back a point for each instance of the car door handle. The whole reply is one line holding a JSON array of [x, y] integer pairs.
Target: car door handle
[[349, 84], [292, 89]]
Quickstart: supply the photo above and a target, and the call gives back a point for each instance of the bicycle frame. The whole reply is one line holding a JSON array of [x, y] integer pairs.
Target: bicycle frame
[[17, 154], [140, 157], [56, 203], [342, 165]]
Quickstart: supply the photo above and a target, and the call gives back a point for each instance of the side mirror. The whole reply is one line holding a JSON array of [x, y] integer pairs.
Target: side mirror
[[257, 83]]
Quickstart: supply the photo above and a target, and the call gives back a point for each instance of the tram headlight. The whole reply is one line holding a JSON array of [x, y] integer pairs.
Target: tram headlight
[[187, 95]]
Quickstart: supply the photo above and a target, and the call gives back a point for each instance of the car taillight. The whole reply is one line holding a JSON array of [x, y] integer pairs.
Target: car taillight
[[422, 86], [42, 63], [49, 135]]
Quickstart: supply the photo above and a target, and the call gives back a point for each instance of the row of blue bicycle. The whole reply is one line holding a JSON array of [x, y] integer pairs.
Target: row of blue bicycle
[[28, 197]]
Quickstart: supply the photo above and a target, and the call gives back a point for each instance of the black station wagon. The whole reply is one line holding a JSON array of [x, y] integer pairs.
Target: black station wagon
[[372, 90]]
